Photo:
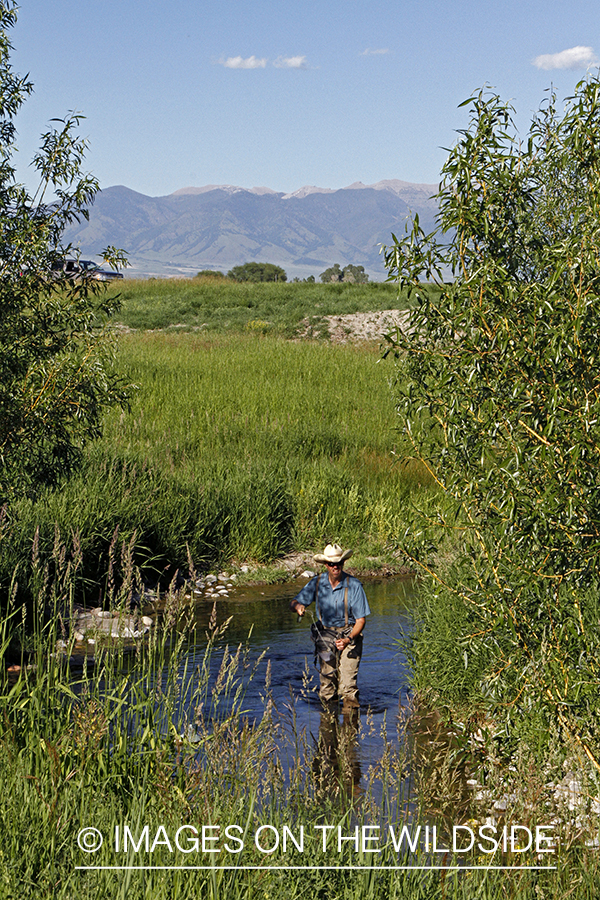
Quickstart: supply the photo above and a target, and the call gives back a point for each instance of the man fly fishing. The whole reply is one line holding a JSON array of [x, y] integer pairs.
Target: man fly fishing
[[341, 609]]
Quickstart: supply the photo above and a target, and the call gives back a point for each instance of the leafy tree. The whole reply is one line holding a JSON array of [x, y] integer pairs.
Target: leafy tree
[[255, 271], [211, 273], [352, 274], [55, 378], [333, 273], [355, 274], [499, 396]]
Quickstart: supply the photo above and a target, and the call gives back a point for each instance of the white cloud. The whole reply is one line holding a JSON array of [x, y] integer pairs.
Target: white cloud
[[370, 52], [290, 62], [238, 62], [574, 58]]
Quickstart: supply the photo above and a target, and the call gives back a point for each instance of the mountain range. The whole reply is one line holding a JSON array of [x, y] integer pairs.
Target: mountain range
[[220, 226]]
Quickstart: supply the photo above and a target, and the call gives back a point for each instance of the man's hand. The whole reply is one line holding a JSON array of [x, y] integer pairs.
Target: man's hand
[[343, 642], [299, 608]]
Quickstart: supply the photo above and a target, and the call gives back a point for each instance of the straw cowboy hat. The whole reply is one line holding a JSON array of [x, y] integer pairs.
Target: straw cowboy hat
[[332, 553]]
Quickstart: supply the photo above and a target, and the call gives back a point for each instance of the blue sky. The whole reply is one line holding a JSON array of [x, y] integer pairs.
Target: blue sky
[[286, 93]]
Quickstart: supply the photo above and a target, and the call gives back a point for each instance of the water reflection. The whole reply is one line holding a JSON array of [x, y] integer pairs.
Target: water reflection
[[337, 757], [262, 619]]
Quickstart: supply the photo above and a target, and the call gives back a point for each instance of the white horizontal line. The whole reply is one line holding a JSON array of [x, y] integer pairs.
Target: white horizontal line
[[318, 868]]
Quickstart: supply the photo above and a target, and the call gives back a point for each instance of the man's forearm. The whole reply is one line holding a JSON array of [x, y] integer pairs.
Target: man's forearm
[[357, 628]]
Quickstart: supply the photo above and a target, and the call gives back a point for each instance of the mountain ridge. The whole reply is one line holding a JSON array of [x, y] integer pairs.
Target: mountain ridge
[[219, 226]]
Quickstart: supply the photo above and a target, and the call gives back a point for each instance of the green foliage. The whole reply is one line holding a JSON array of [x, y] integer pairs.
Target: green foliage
[[355, 274], [255, 272], [55, 376], [351, 274], [211, 273], [499, 394], [333, 273]]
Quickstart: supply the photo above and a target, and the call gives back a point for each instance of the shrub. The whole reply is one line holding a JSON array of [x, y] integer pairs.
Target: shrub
[[500, 397], [254, 271], [55, 378]]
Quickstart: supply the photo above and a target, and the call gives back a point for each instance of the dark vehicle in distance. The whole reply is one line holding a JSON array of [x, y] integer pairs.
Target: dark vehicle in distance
[[84, 268]]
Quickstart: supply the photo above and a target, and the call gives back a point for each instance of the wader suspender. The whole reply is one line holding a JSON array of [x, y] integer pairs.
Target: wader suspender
[[345, 600], [324, 636]]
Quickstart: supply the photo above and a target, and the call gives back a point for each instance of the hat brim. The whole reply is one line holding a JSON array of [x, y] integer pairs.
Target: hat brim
[[318, 557]]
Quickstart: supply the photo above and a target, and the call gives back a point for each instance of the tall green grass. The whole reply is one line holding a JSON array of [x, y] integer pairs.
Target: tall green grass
[[241, 447], [142, 741], [231, 306]]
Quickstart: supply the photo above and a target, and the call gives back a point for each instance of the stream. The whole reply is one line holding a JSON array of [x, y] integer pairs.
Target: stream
[[261, 620]]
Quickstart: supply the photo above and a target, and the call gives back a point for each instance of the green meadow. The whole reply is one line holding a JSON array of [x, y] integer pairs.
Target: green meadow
[[220, 306], [238, 447]]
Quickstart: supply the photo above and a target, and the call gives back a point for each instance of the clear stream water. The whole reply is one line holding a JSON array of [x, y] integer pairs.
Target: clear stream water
[[262, 621]]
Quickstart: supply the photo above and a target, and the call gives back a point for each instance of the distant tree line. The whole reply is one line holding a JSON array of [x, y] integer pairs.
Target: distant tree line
[[259, 271]]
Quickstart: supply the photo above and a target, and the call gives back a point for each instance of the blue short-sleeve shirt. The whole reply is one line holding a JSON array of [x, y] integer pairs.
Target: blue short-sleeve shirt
[[331, 600]]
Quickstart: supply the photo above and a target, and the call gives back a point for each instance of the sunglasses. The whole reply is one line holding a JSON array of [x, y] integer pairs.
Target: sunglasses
[[330, 564]]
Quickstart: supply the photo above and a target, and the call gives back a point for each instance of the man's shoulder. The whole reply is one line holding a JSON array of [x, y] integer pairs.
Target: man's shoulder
[[309, 589], [317, 582], [353, 582]]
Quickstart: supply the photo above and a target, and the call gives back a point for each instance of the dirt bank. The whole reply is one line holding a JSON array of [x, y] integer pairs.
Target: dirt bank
[[365, 326]]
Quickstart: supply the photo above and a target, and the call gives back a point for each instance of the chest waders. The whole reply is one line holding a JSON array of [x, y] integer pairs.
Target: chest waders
[[324, 637]]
